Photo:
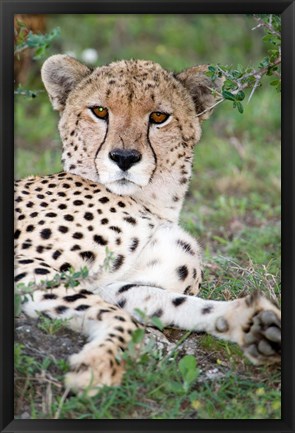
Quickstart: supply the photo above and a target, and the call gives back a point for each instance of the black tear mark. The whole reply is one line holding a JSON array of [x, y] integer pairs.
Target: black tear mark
[[178, 301], [182, 272], [207, 310]]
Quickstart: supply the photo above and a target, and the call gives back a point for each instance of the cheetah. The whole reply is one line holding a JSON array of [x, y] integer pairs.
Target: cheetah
[[128, 131]]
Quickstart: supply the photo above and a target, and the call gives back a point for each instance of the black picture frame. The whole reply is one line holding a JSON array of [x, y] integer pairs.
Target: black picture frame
[[8, 9]]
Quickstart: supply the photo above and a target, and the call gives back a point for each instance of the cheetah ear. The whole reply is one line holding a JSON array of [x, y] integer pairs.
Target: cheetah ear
[[60, 74], [200, 88]]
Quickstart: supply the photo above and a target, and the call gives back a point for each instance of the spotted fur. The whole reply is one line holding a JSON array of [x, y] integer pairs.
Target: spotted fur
[[101, 203]]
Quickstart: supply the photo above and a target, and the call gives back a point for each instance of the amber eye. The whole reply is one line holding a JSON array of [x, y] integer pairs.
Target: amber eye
[[100, 112], [157, 117]]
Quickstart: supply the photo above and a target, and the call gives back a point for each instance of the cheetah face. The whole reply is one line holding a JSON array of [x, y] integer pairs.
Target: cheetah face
[[127, 124]]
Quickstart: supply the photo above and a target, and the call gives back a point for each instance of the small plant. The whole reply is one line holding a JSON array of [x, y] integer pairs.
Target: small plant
[[51, 326], [239, 78]]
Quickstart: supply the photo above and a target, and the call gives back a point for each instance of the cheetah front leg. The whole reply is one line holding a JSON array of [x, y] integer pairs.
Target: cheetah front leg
[[107, 327], [252, 322]]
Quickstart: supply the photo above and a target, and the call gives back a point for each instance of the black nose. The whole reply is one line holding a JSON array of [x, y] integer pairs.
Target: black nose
[[125, 158]]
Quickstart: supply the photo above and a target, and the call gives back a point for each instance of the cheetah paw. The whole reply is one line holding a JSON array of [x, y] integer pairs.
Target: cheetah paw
[[262, 336], [93, 369]]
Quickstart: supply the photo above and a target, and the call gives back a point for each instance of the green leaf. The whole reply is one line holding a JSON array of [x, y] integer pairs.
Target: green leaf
[[188, 368], [228, 95], [138, 335], [240, 107], [157, 323], [240, 95]]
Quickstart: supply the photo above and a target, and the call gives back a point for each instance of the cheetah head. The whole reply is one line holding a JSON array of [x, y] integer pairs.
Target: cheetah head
[[130, 124]]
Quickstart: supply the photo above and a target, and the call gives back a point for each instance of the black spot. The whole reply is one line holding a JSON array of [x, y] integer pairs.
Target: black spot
[[21, 217], [33, 214], [100, 313], [30, 204], [186, 247], [194, 273], [63, 229], [118, 262], [56, 254], [182, 272], [85, 292], [41, 196], [65, 267], [134, 244], [119, 329], [61, 194], [104, 221], [115, 229], [175, 198], [76, 248], [20, 276], [126, 287], [82, 307], [40, 249], [73, 298], [77, 235], [45, 233], [26, 261], [207, 310], [122, 303], [62, 206], [87, 255], [88, 216], [99, 240], [113, 210], [26, 245], [51, 185], [78, 202], [44, 204], [157, 313], [178, 301], [104, 199], [61, 309], [66, 185], [121, 204], [41, 271], [130, 220], [51, 214], [49, 296], [16, 234], [121, 318], [68, 217]]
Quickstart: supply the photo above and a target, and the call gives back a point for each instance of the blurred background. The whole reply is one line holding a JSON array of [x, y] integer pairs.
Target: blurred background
[[233, 204]]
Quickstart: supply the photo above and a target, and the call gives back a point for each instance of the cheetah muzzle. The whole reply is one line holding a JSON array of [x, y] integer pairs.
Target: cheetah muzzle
[[128, 131]]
